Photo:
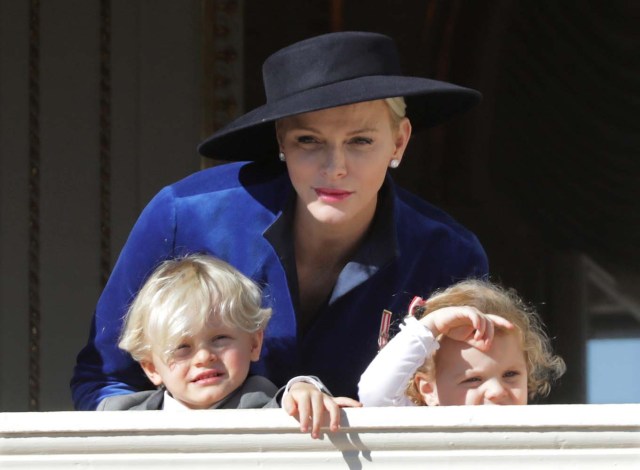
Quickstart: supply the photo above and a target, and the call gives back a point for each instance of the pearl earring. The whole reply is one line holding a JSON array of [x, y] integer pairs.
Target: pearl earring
[[395, 163], [281, 156]]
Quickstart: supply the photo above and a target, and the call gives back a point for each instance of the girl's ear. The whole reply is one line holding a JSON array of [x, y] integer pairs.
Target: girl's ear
[[256, 345], [149, 368], [427, 389]]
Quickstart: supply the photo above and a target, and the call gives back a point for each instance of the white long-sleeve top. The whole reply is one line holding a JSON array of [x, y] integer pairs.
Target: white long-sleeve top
[[385, 380]]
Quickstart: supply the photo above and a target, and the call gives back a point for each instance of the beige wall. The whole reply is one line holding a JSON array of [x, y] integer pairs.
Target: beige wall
[[155, 125]]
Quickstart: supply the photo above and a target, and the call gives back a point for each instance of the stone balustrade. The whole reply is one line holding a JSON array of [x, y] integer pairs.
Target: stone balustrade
[[549, 436]]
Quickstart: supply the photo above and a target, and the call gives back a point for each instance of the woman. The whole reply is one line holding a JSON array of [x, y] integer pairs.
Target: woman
[[325, 231]]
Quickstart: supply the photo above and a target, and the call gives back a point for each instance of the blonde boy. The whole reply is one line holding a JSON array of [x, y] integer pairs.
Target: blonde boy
[[194, 328]]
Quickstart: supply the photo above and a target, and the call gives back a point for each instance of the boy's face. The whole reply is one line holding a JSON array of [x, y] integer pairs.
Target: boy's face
[[468, 376], [207, 367]]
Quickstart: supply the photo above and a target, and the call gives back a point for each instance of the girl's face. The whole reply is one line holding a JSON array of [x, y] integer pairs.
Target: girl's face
[[467, 376], [337, 159], [208, 366]]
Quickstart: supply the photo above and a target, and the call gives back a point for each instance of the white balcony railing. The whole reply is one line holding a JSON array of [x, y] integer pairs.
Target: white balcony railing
[[552, 436]]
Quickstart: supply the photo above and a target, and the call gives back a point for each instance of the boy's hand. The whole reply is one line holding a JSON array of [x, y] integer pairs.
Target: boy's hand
[[467, 324], [309, 406]]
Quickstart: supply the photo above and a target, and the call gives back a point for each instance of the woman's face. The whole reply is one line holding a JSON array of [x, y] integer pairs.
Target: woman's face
[[337, 159]]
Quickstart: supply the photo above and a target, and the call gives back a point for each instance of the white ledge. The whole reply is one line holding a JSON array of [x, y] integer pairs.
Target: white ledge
[[577, 436]]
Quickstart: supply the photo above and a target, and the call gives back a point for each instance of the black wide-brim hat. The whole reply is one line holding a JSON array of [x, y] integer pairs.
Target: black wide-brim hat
[[332, 70]]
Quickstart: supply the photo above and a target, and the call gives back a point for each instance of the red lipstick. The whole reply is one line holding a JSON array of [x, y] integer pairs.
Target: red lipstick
[[332, 195]]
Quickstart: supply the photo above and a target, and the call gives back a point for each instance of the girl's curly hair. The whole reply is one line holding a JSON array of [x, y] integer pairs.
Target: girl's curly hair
[[543, 367]]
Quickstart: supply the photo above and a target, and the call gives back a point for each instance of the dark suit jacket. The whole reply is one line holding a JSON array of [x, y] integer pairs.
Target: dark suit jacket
[[255, 392]]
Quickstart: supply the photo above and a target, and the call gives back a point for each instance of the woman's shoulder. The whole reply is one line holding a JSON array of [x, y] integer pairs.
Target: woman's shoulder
[[428, 231], [227, 176], [424, 214], [432, 226]]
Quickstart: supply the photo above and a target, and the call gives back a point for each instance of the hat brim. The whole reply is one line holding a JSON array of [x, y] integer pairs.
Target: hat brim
[[252, 135]]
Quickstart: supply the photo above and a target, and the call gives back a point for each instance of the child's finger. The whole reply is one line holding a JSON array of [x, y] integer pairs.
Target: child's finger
[[346, 402], [493, 322], [501, 322], [334, 413], [304, 414], [317, 403], [289, 405], [488, 337], [479, 322]]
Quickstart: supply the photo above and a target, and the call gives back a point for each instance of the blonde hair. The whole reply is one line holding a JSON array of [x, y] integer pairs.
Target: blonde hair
[[398, 108], [397, 112], [181, 296], [543, 367]]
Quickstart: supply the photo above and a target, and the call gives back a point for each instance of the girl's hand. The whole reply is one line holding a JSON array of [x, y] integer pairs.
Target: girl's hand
[[310, 407], [467, 324]]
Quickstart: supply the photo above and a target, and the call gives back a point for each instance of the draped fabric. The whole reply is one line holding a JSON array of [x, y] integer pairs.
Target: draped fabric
[[568, 121]]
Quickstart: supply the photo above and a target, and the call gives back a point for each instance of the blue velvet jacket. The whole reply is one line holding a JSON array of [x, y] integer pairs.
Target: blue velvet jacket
[[238, 212]]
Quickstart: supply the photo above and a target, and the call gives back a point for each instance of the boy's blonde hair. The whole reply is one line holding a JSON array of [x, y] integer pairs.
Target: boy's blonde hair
[[181, 297], [543, 367]]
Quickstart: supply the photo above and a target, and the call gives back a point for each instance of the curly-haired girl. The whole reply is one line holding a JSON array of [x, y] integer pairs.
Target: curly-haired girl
[[474, 343]]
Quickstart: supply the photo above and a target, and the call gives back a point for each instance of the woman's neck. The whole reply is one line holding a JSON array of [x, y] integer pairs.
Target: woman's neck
[[319, 243], [321, 252]]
